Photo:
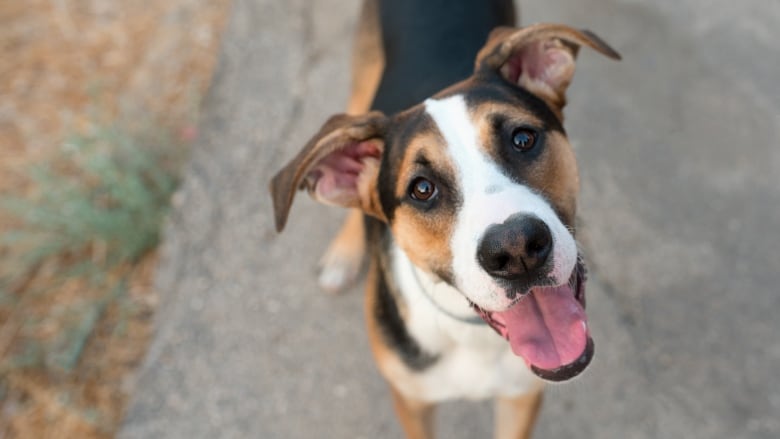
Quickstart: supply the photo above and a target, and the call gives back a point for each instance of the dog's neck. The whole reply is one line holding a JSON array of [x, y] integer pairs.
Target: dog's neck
[[417, 285]]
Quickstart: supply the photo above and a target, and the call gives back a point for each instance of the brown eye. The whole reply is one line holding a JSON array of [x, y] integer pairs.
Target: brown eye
[[523, 139], [422, 189]]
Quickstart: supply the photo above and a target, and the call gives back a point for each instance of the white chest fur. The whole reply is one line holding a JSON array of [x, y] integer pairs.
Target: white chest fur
[[473, 361]]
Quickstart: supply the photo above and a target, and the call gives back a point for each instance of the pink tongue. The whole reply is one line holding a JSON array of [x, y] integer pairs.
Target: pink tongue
[[547, 328]]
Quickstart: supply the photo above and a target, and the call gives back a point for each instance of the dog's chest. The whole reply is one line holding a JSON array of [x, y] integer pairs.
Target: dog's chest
[[473, 361]]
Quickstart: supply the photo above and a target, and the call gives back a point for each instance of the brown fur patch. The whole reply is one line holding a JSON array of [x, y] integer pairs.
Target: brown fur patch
[[515, 417], [425, 235], [556, 177], [368, 59], [368, 63], [367, 192], [553, 174], [387, 358]]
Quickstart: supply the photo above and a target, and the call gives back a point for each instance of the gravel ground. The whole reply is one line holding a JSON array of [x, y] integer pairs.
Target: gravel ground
[[68, 68]]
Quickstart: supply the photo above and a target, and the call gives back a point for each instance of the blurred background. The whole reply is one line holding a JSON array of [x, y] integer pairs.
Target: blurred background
[[144, 292], [98, 105]]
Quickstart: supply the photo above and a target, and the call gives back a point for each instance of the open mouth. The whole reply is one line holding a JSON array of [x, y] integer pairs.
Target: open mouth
[[547, 327]]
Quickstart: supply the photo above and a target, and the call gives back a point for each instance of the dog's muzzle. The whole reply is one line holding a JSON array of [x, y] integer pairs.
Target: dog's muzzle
[[547, 327]]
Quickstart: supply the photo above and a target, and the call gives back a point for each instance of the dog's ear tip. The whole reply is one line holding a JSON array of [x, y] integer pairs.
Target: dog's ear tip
[[280, 207], [280, 225], [601, 45], [280, 218]]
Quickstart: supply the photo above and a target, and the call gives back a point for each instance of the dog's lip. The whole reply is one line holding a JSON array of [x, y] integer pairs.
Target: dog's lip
[[573, 368], [570, 370]]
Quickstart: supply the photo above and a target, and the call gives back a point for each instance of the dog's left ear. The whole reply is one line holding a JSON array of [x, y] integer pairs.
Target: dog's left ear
[[539, 58], [338, 166]]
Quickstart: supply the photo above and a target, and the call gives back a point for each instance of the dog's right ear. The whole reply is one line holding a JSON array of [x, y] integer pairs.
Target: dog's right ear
[[338, 166]]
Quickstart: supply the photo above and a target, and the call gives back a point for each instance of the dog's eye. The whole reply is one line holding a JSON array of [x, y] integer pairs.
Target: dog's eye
[[422, 189], [523, 139]]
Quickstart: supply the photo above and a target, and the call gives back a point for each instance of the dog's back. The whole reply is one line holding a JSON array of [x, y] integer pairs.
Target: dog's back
[[431, 44]]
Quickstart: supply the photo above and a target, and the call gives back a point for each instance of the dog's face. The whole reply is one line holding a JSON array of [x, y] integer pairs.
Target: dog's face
[[484, 161], [478, 185]]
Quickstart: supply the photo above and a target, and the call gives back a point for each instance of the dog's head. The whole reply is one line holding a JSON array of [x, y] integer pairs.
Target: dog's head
[[478, 185]]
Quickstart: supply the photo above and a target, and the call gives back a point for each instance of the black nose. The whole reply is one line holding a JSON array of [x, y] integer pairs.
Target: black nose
[[516, 250]]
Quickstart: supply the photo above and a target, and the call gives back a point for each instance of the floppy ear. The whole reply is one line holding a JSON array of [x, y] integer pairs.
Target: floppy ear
[[539, 58], [338, 166]]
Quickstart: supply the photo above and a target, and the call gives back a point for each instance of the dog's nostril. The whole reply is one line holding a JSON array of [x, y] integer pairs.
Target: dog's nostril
[[538, 244], [501, 261]]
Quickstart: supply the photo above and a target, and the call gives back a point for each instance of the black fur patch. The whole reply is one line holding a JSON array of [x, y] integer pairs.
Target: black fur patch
[[387, 315], [394, 330], [431, 44], [404, 126], [491, 87]]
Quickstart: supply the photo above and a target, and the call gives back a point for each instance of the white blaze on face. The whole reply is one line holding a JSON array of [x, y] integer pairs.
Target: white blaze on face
[[489, 197]]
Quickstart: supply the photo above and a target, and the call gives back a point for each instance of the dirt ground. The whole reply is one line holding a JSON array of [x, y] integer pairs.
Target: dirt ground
[[66, 66]]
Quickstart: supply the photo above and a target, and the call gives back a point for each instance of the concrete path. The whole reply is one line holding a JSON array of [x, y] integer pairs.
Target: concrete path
[[680, 217]]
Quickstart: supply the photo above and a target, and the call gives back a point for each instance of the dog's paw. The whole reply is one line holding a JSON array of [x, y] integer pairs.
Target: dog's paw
[[339, 268], [342, 262]]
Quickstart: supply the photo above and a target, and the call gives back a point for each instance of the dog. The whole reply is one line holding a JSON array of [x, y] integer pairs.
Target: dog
[[463, 191]]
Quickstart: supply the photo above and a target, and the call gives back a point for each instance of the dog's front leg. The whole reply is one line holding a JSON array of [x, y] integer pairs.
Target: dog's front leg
[[416, 417], [341, 263], [515, 417]]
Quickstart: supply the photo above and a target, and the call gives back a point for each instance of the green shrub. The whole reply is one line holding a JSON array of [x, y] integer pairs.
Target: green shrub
[[94, 209]]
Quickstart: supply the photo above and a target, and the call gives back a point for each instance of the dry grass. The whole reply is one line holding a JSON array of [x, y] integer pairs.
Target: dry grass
[[47, 401], [71, 66]]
